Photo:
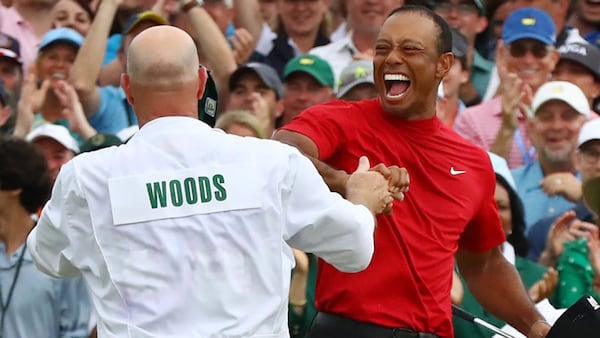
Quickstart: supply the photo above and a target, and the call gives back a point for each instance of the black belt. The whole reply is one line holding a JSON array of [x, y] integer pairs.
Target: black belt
[[362, 329]]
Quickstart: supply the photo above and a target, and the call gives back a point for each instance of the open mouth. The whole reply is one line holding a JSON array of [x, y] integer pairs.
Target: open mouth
[[58, 76], [396, 85]]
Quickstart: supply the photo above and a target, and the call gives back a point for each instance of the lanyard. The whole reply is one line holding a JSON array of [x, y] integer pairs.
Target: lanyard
[[11, 290], [526, 154]]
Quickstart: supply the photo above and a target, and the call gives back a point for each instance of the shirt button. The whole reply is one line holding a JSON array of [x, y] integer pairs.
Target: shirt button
[[551, 210]]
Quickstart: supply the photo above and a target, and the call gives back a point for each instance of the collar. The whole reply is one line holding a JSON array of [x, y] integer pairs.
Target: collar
[[346, 43], [7, 263], [481, 63], [532, 174]]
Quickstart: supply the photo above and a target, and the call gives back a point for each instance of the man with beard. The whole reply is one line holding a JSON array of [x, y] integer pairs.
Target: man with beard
[[559, 109], [525, 59]]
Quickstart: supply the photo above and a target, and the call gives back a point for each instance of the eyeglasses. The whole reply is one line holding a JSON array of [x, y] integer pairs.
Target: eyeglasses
[[446, 7], [520, 48], [590, 157]]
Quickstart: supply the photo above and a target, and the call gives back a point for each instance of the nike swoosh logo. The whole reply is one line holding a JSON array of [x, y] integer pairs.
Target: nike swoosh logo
[[457, 172]]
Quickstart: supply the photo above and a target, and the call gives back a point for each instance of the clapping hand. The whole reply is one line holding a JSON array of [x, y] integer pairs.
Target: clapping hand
[[31, 100], [72, 109]]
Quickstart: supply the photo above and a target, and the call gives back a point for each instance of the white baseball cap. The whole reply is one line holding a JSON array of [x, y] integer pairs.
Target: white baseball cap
[[562, 91], [589, 131], [56, 132]]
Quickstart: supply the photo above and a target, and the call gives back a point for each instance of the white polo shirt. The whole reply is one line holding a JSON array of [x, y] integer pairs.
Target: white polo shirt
[[338, 54], [184, 231]]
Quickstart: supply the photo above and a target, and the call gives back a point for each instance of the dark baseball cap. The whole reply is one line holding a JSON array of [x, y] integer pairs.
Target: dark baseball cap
[[266, 73], [584, 54], [208, 105], [529, 23], [460, 46], [100, 141], [581, 319]]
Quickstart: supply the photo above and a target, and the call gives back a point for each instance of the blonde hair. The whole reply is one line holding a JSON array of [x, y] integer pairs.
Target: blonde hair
[[240, 117]]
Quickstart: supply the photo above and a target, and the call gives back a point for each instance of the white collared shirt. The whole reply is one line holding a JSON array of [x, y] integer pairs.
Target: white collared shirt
[[184, 231], [339, 54]]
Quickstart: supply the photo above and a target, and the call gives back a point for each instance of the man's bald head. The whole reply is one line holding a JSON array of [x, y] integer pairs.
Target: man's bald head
[[163, 58]]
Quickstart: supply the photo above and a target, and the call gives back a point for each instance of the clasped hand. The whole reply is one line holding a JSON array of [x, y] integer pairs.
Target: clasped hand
[[377, 187]]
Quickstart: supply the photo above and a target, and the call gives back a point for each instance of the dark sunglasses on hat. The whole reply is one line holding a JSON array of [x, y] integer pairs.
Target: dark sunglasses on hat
[[518, 49]]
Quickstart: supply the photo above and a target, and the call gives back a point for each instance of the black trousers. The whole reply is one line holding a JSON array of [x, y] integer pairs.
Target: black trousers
[[327, 325]]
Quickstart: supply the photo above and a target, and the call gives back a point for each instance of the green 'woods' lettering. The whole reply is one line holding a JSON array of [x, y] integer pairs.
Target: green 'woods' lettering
[[188, 191]]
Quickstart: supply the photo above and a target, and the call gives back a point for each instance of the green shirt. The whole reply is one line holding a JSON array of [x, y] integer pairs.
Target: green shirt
[[530, 273]]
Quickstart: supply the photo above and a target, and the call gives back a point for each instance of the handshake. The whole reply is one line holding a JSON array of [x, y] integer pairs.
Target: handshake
[[377, 187]]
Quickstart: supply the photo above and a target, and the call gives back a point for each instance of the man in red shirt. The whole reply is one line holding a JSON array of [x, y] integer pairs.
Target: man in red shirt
[[448, 212]]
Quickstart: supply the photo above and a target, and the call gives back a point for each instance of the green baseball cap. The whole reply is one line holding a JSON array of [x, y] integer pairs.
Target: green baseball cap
[[312, 65]]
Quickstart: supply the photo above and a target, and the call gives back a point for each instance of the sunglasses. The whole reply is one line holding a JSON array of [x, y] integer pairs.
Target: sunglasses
[[519, 49]]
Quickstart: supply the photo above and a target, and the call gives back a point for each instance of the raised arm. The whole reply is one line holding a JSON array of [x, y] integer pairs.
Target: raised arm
[[88, 63], [215, 48], [247, 15]]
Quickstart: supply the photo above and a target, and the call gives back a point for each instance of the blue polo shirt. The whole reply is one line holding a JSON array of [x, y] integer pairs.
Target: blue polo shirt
[[111, 116], [42, 306], [537, 204]]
